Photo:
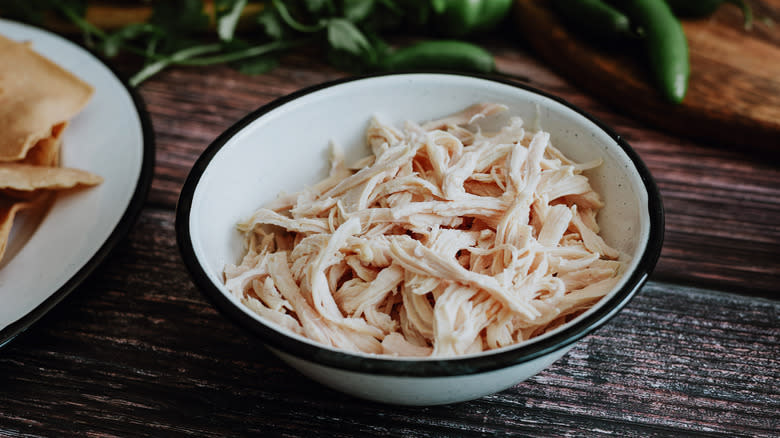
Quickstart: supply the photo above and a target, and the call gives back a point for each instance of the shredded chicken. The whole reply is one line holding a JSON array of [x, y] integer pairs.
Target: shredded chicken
[[444, 241]]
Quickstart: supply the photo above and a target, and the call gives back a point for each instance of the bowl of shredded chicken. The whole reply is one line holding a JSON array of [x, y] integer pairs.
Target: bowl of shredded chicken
[[467, 248]]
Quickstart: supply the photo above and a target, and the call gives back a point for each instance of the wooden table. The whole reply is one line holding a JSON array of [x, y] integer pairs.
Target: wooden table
[[137, 350]]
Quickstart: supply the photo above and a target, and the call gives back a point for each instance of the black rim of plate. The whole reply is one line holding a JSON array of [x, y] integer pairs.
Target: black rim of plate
[[122, 227], [410, 367]]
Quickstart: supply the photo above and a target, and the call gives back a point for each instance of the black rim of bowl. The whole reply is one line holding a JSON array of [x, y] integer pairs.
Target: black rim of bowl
[[485, 362], [123, 226]]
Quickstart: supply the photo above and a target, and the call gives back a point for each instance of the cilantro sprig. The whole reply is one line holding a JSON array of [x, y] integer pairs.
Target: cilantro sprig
[[188, 33]]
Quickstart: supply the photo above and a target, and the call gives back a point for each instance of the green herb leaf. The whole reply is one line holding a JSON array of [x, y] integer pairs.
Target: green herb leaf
[[284, 13], [439, 6], [180, 17], [316, 6], [114, 42], [357, 10], [344, 35], [272, 23], [228, 13]]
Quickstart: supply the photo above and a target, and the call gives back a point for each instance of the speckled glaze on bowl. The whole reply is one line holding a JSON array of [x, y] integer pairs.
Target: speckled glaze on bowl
[[283, 146]]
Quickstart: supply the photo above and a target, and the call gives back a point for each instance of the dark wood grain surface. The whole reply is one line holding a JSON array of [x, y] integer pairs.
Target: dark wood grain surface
[[138, 351]]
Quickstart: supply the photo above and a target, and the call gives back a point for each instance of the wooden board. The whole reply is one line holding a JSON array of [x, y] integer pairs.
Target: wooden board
[[734, 91]]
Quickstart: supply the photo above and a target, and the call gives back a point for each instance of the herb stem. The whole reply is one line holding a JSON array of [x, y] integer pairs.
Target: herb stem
[[190, 57], [174, 58], [241, 54], [295, 24], [81, 23]]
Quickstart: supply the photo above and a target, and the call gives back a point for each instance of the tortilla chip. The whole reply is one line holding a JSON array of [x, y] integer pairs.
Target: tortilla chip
[[7, 213], [28, 177], [45, 153], [36, 96]]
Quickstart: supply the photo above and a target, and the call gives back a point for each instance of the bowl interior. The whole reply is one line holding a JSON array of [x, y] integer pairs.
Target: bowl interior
[[287, 147]]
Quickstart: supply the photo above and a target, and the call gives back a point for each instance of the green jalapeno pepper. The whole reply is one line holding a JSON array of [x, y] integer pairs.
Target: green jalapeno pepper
[[462, 17], [703, 8], [665, 44], [440, 55], [593, 18]]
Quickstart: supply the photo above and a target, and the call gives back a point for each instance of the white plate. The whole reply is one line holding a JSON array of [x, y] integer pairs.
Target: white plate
[[53, 251]]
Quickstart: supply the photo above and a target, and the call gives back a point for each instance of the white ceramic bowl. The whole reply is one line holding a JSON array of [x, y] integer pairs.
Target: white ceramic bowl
[[284, 146]]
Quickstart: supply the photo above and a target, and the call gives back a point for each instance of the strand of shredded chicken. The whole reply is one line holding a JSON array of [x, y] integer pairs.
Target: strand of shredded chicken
[[444, 241]]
